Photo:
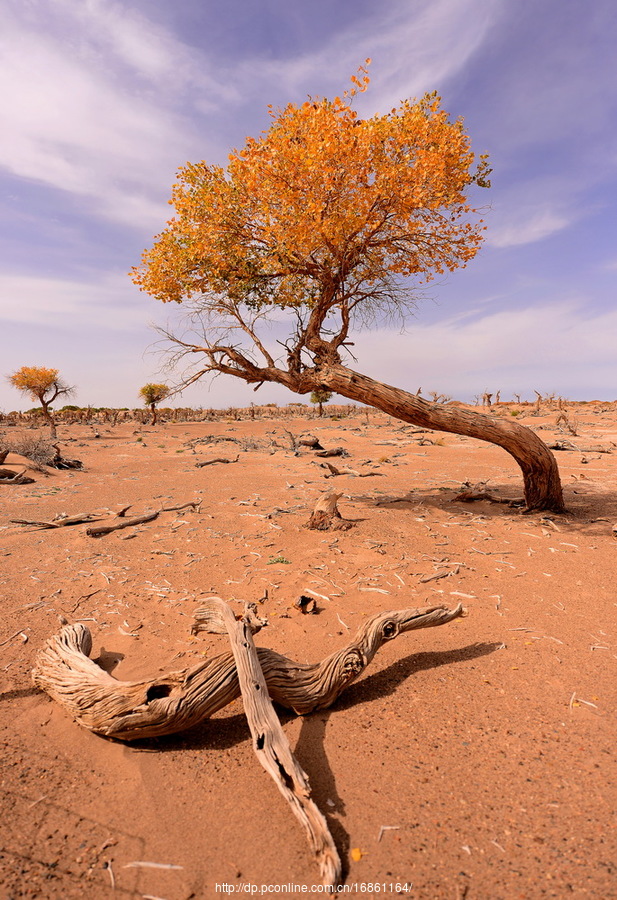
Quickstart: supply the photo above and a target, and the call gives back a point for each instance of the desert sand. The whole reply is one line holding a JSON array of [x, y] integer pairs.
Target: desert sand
[[473, 760]]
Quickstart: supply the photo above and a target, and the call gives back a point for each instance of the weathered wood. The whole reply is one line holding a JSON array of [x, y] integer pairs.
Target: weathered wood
[[60, 521], [100, 530], [7, 476], [272, 747], [175, 701], [568, 445], [326, 515], [310, 441], [217, 459], [336, 451], [477, 491], [60, 462]]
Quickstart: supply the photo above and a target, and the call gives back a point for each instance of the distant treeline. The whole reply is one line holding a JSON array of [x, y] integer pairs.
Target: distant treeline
[[69, 415]]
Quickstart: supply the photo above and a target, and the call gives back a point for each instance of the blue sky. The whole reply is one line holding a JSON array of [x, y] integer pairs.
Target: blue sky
[[103, 100]]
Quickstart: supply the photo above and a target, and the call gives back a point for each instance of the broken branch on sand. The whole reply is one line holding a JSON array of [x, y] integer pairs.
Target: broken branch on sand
[[272, 747], [7, 476], [100, 530], [478, 491], [217, 459], [59, 521]]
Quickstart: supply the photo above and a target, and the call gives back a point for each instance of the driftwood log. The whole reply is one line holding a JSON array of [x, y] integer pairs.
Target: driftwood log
[[173, 702], [217, 459]]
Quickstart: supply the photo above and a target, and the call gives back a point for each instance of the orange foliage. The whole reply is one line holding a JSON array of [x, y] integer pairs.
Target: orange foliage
[[321, 203], [36, 381]]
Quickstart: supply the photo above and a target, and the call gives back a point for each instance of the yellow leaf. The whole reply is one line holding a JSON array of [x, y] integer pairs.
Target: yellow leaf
[[356, 854]]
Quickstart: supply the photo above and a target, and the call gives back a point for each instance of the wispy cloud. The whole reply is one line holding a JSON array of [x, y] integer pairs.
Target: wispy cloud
[[101, 102], [506, 350], [526, 225], [110, 303], [94, 103]]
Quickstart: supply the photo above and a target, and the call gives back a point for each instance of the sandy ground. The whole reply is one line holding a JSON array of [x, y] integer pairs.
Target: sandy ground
[[474, 760]]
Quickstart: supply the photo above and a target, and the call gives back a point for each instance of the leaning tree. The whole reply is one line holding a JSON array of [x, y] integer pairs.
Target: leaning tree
[[44, 385], [327, 221]]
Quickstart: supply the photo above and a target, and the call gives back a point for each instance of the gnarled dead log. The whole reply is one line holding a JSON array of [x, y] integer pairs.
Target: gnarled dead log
[[175, 701], [217, 459]]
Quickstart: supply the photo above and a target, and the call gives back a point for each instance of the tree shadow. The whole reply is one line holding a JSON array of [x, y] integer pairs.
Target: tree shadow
[[383, 683], [586, 504], [19, 693], [224, 731]]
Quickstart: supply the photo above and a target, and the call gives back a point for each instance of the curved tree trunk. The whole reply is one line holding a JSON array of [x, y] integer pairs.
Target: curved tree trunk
[[537, 463]]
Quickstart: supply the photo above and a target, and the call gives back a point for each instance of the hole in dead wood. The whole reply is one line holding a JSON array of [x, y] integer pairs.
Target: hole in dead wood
[[259, 743], [257, 686], [389, 630], [157, 692]]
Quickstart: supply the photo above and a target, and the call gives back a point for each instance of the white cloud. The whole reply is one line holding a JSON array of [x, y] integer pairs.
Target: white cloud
[[525, 225], [94, 104], [414, 48], [110, 302], [101, 102], [520, 350]]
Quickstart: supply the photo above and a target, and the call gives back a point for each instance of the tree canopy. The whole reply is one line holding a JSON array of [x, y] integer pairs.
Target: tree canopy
[[151, 394], [324, 211], [39, 383]]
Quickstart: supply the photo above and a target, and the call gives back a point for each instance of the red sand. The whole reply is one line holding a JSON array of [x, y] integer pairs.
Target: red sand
[[474, 761]]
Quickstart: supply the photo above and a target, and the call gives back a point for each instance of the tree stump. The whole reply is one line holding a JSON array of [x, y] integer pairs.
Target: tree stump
[[326, 516]]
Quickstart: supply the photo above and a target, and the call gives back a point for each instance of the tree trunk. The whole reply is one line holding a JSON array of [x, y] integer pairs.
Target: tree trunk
[[153, 411], [50, 421], [538, 465]]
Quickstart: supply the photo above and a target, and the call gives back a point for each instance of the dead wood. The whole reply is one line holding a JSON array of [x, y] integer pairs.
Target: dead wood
[[175, 701], [60, 462], [100, 530], [192, 504], [7, 476], [333, 471], [326, 516], [3, 455], [337, 451], [208, 618], [310, 441], [217, 459], [568, 445], [272, 747], [478, 492], [59, 521]]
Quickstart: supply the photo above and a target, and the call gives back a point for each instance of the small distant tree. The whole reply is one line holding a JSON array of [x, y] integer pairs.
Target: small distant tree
[[152, 395], [43, 385], [319, 398]]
